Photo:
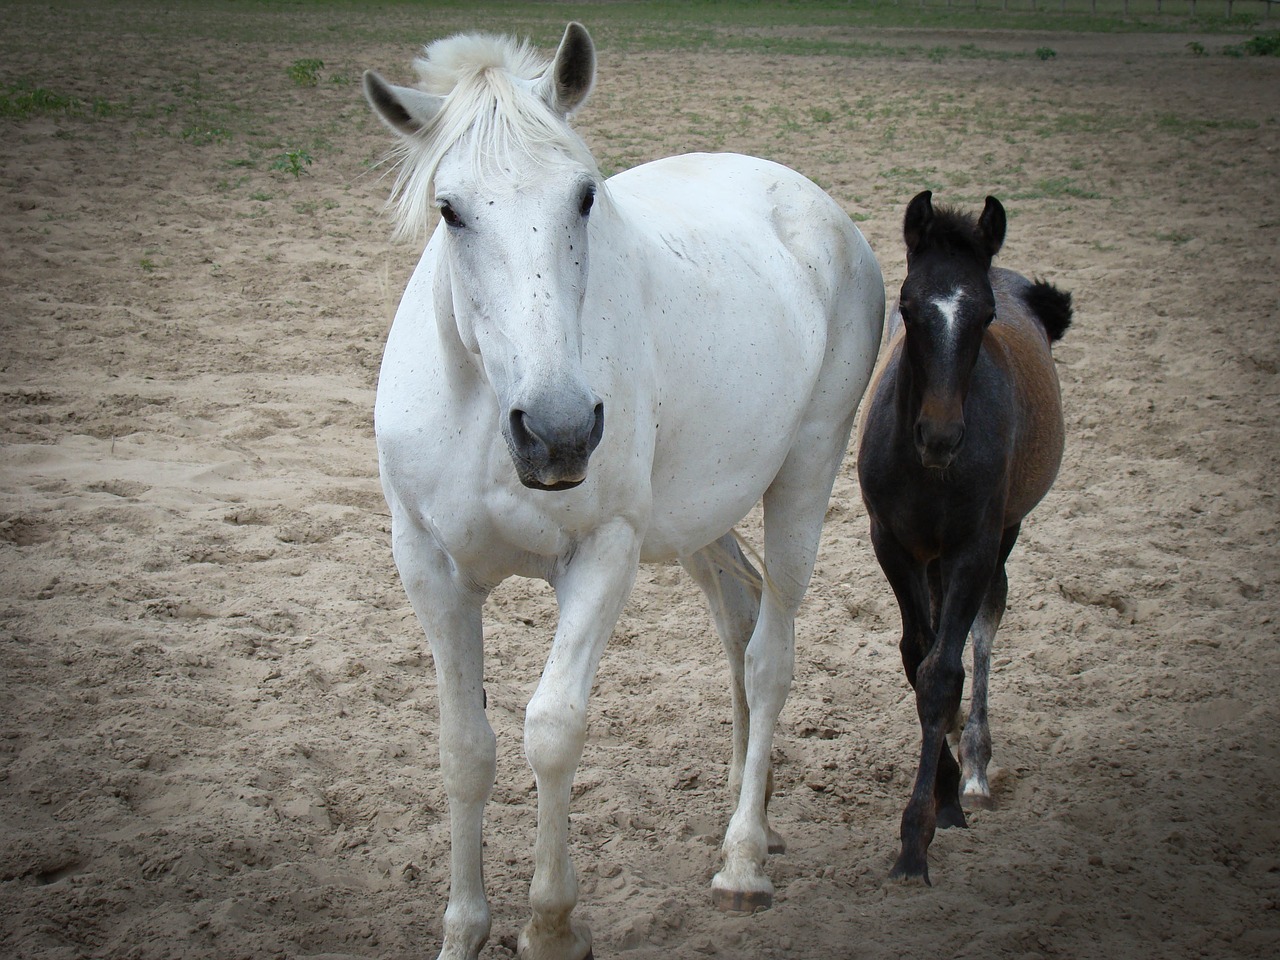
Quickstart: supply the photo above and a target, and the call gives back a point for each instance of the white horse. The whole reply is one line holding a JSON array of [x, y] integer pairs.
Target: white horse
[[586, 374]]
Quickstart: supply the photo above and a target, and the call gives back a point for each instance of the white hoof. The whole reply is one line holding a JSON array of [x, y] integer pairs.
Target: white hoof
[[572, 942]]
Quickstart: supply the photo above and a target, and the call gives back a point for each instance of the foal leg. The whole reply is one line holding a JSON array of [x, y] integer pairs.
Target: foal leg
[[450, 614], [732, 587], [939, 685], [794, 508], [975, 743], [946, 786], [591, 592]]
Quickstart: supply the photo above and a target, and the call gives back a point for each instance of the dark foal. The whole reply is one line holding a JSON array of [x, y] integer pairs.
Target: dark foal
[[961, 437]]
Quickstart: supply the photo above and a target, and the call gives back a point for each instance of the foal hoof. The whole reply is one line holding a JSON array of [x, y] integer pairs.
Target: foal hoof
[[910, 871], [951, 815], [741, 901]]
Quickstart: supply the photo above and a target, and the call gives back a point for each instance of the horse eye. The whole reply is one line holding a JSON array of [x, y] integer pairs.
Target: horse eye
[[588, 199], [450, 215]]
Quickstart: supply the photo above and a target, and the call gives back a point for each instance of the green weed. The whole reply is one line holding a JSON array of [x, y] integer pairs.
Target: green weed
[[306, 72], [23, 99], [293, 161], [1264, 45]]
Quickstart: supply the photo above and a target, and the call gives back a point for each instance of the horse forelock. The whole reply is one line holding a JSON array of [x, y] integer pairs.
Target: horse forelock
[[953, 232], [485, 83]]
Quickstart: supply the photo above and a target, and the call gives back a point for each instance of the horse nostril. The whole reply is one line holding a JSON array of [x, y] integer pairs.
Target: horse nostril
[[522, 434], [597, 428]]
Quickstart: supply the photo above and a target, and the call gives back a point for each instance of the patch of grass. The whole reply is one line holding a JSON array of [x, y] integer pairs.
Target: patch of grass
[[201, 135], [1173, 123], [1264, 45], [1046, 53], [306, 72], [22, 99], [1057, 187], [915, 177]]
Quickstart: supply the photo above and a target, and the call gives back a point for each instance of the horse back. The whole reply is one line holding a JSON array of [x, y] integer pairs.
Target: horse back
[[1018, 343]]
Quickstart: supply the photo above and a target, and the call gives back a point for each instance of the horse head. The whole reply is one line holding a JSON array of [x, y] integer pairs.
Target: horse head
[[485, 139], [946, 304]]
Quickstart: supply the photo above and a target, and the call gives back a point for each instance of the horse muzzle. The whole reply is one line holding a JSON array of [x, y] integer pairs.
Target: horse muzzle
[[938, 442], [551, 452]]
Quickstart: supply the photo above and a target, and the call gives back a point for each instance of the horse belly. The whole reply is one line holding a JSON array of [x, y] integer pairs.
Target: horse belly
[[1038, 403], [760, 327]]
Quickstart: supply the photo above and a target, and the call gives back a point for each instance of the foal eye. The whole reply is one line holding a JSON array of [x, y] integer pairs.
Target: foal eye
[[588, 199], [449, 215]]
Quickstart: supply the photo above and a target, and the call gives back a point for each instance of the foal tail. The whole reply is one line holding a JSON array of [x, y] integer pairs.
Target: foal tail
[[1051, 306]]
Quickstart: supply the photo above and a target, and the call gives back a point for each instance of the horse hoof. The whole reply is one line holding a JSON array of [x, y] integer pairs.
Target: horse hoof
[[951, 816], [977, 801], [908, 872], [776, 843], [741, 901]]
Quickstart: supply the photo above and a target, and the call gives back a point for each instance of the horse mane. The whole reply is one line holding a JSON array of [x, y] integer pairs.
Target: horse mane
[[484, 80]]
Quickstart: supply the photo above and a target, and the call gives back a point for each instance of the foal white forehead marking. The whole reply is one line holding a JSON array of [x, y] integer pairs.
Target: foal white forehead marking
[[950, 307], [950, 310]]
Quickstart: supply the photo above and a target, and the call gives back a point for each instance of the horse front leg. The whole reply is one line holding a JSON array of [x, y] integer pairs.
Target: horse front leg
[[975, 742], [450, 614], [591, 592], [939, 686]]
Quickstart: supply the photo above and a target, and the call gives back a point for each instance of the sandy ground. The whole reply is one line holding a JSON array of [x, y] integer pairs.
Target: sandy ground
[[217, 719]]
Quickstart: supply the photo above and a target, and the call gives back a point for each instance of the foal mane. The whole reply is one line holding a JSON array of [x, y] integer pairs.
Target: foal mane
[[485, 81]]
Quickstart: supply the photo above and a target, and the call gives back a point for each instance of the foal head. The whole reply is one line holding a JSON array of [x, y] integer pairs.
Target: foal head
[[946, 305], [485, 139]]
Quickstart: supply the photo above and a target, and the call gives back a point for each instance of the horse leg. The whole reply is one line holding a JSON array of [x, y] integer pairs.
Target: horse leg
[[911, 589], [939, 686], [946, 786], [450, 613], [732, 587], [591, 591], [975, 743], [795, 506]]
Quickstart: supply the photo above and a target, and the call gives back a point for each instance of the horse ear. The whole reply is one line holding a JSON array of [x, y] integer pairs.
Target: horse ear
[[916, 222], [568, 81], [992, 224], [403, 109]]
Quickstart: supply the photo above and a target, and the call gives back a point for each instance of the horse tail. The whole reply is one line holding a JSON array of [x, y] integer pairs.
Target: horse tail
[[1051, 306]]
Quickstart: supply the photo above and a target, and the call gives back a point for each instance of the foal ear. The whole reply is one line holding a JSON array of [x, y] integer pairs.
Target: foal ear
[[568, 81], [403, 109], [916, 222], [992, 225]]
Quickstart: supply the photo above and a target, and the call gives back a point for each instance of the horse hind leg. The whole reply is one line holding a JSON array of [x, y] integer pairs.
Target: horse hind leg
[[732, 587], [975, 741], [794, 508]]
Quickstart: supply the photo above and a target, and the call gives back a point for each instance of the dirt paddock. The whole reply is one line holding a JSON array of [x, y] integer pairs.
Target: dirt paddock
[[217, 717]]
